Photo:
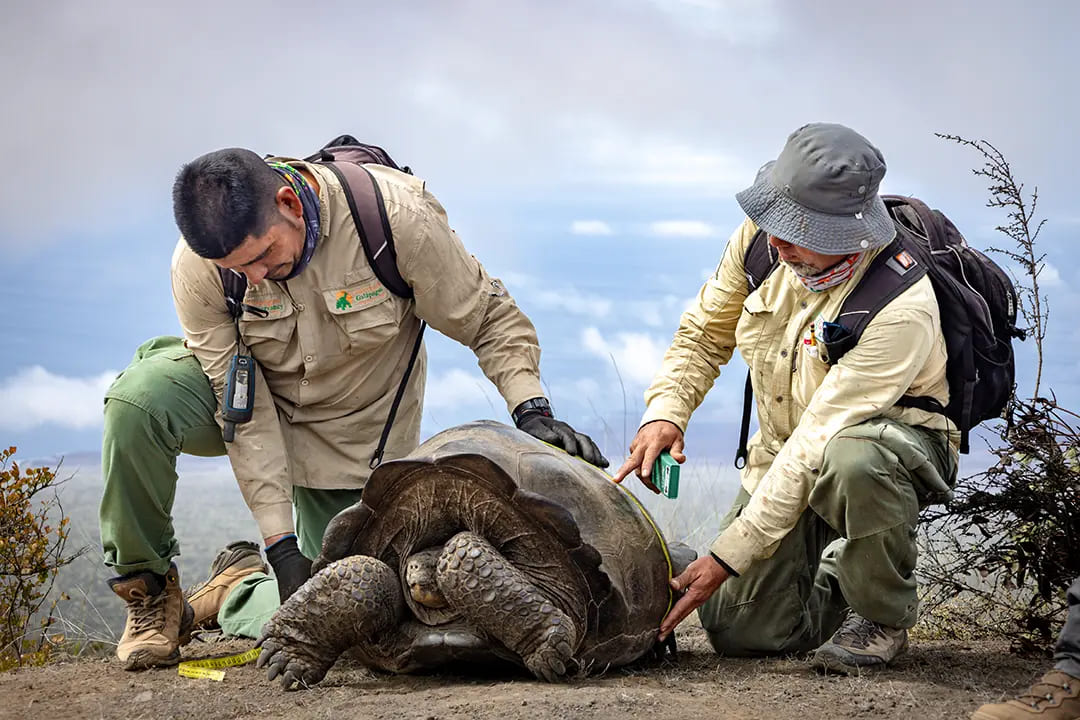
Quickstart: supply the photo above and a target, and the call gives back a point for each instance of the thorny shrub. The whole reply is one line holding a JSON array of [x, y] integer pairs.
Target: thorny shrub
[[33, 539], [999, 558]]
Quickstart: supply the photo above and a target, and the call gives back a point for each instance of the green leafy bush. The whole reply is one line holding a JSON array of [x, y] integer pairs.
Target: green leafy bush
[[33, 541]]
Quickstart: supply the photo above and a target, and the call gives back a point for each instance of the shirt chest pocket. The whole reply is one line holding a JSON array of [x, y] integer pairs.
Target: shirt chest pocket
[[809, 364], [268, 337], [363, 312], [755, 330]]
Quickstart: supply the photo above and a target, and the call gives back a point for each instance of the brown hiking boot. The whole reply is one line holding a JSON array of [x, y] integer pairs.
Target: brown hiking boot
[[859, 645], [157, 615], [1056, 696], [238, 560]]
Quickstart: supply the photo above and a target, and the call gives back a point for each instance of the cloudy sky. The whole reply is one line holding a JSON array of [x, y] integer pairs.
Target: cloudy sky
[[587, 152]]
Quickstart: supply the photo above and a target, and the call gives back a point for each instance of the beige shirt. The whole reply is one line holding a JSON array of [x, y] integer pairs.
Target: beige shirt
[[335, 343], [801, 401]]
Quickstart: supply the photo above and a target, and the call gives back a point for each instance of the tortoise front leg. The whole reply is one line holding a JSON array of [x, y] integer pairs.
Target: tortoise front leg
[[499, 599], [346, 603]]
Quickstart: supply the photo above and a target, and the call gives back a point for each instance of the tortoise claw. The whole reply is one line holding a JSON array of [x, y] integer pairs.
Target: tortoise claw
[[553, 660], [293, 662]]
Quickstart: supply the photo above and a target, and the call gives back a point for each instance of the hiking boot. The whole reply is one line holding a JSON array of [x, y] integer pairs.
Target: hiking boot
[[157, 615], [859, 645], [238, 560], [1056, 696]]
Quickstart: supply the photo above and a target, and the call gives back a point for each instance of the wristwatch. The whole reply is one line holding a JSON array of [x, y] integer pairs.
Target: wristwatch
[[534, 405]]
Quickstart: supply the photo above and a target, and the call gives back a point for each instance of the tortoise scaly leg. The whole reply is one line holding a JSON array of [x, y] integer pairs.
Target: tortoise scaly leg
[[499, 599], [346, 603]]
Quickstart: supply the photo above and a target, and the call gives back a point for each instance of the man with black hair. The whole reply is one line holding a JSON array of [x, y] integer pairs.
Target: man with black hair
[[331, 346]]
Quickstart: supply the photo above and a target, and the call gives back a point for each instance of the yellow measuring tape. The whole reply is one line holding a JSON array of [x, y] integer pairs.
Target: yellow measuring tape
[[209, 669], [660, 535]]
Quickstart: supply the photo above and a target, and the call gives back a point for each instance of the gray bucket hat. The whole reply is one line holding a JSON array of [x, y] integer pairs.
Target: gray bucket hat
[[821, 193]]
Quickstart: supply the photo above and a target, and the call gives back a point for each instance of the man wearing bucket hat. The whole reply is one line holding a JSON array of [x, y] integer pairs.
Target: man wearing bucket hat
[[818, 550]]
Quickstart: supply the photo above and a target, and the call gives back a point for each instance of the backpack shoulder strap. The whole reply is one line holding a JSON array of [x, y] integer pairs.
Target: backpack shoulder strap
[[759, 261], [369, 213], [891, 272], [234, 286]]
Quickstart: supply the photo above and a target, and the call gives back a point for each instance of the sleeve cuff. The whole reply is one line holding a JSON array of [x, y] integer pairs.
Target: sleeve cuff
[[738, 546], [521, 388], [274, 519], [668, 409], [724, 565]]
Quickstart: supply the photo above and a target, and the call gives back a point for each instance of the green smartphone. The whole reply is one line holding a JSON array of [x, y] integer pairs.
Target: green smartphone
[[665, 475]]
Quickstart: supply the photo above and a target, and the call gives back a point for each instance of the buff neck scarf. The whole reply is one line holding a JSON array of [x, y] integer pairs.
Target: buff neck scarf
[[310, 202], [832, 276]]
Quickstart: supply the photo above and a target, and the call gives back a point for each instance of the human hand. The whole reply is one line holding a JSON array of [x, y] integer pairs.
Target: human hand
[[697, 583], [652, 439], [561, 435], [291, 568]]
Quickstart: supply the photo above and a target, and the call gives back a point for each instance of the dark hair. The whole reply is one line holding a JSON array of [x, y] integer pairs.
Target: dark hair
[[222, 197]]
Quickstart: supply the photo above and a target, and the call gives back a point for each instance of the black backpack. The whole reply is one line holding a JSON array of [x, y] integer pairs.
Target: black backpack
[[976, 299], [345, 156]]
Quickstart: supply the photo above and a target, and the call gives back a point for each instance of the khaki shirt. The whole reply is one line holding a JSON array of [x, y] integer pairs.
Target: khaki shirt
[[328, 368], [802, 401]]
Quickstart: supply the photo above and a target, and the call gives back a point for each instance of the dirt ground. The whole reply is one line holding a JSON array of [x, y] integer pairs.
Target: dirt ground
[[932, 680]]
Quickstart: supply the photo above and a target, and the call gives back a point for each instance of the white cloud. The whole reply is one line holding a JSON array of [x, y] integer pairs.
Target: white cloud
[[33, 396], [574, 302], [660, 313], [622, 156], [637, 355], [457, 388], [1050, 276], [590, 227], [515, 281], [682, 228]]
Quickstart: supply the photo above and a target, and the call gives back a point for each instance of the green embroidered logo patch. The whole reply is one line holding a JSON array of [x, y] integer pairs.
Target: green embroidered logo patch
[[356, 297]]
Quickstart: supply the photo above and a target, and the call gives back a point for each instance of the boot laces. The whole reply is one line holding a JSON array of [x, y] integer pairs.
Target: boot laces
[[857, 631], [1035, 698], [148, 612]]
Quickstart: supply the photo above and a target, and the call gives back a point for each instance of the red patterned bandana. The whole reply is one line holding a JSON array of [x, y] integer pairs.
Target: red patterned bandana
[[834, 275]]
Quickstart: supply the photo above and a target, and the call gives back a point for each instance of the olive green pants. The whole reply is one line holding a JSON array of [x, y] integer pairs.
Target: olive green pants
[[854, 546], [162, 405]]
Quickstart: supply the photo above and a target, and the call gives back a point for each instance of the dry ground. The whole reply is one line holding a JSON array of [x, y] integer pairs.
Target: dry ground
[[933, 680]]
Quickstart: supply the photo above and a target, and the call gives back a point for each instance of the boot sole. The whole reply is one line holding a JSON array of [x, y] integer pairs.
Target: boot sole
[[145, 660], [831, 664]]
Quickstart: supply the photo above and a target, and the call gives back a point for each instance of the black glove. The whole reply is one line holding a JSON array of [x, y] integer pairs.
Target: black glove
[[534, 417], [291, 568]]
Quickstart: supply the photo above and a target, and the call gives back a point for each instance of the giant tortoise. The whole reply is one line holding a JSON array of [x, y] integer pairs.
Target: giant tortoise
[[484, 544]]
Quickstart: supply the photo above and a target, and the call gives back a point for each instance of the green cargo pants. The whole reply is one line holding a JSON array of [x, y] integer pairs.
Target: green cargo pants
[[854, 546], [162, 405]]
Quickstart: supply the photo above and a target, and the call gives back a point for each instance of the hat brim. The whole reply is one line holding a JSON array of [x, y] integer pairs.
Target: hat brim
[[776, 213]]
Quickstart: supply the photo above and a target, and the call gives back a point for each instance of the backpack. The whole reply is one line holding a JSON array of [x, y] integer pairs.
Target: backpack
[[976, 299], [345, 156]]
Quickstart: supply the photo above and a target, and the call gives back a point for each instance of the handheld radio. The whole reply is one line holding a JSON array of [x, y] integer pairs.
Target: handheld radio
[[239, 399]]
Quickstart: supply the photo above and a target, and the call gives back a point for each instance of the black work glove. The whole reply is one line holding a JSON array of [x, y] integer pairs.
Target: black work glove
[[291, 568], [534, 417]]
